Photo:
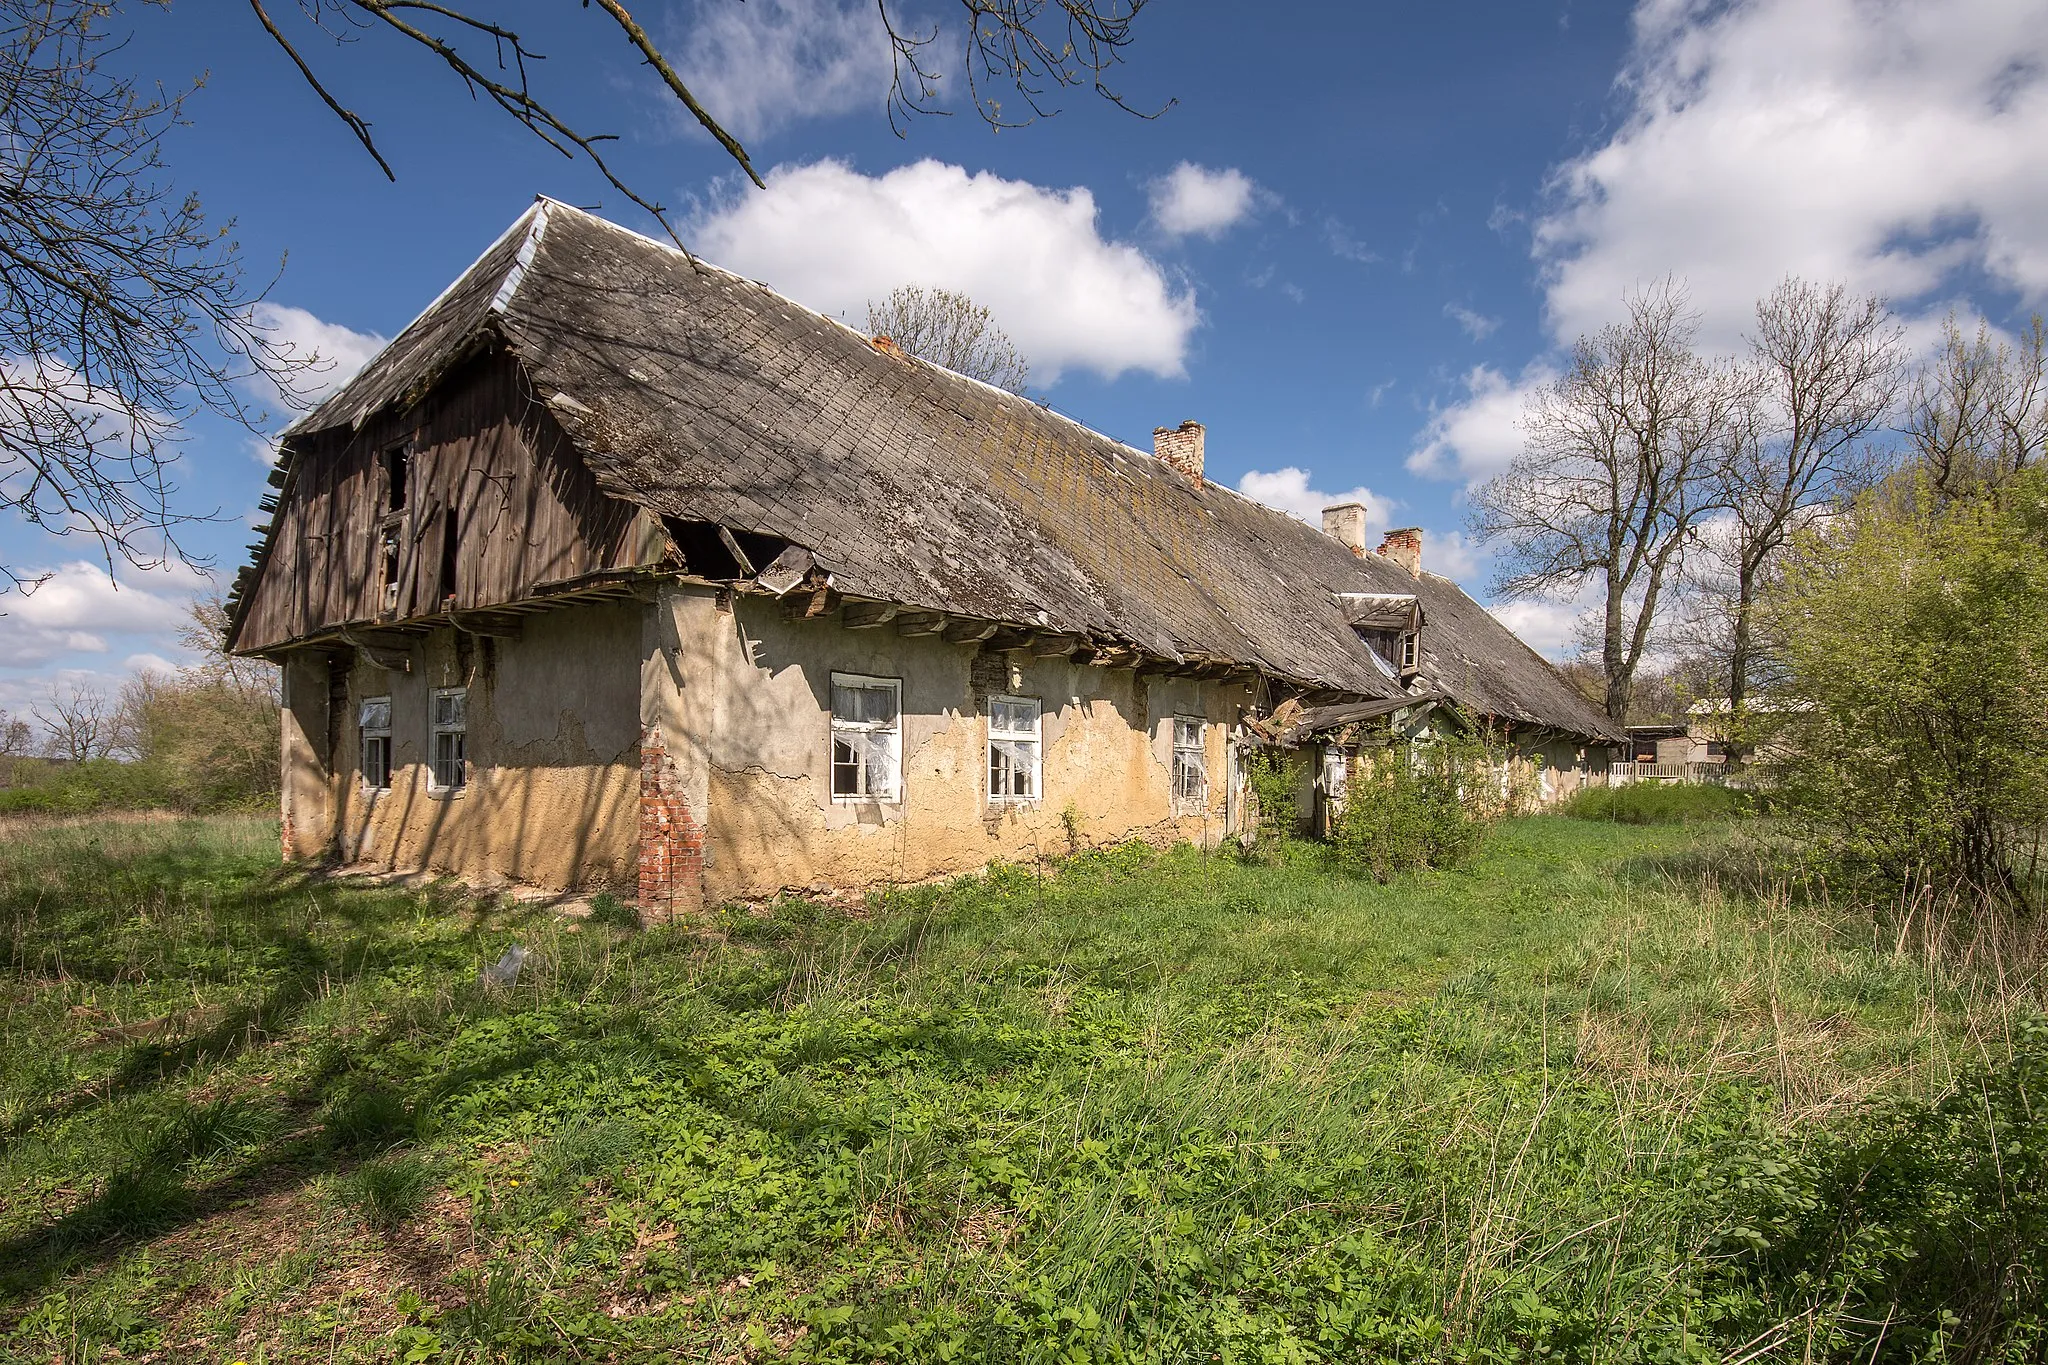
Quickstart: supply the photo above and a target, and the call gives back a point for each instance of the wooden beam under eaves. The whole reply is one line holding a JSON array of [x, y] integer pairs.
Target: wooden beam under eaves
[[967, 631], [920, 622], [868, 615]]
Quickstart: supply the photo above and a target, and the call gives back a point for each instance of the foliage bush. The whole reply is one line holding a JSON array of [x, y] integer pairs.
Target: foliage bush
[[50, 788], [1914, 728], [1658, 803], [1274, 783], [1411, 807]]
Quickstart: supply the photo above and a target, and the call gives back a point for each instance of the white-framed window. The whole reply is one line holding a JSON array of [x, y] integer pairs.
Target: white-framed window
[[1014, 769], [867, 737], [1190, 760], [373, 724], [448, 740]]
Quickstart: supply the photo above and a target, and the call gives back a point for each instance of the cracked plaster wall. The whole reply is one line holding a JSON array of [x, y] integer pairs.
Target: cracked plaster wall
[[553, 746], [751, 700]]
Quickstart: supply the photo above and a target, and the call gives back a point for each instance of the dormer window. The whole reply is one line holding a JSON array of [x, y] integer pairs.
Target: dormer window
[[1411, 653]]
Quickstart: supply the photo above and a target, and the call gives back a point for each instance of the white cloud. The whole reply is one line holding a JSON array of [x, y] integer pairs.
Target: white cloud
[[148, 663], [1345, 246], [766, 64], [79, 609], [1194, 200], [1477, 325], [1477, 435], [1287, 489], [82, 595], [1454, 555], [1891, 146], [833, 239], [1549, 628], [336, 352]]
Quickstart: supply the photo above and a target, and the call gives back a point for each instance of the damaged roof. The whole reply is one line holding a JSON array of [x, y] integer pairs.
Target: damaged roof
[[706, 397]]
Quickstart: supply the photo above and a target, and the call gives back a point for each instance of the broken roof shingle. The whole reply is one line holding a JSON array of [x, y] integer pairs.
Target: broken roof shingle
[[707, 397]]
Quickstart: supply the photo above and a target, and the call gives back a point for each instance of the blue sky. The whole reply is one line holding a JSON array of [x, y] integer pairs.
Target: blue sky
[[1357, 237]]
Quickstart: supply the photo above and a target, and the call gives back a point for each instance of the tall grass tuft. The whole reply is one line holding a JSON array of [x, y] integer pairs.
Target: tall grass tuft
[[1659, 803]]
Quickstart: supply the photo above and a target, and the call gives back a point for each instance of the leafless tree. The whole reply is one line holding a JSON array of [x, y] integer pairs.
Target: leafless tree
[[122, 311], [1978, 410], [952, 330], [1826, 366], [1614, 475], [205, 633], [80, 722], [1036, 47], [17, 737]]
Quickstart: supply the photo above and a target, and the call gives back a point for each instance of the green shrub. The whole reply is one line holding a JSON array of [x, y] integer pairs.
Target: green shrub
[[1658, 803], [81, 788], [1407, 808], [1274, 785], [1914, 725]]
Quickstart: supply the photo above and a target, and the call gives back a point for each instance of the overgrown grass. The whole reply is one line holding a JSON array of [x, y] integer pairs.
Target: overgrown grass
[[1659, 803], [1597, 1094]]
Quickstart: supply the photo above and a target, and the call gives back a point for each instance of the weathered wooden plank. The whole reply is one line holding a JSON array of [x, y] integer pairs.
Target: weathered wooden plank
[[966, 631], [527, 512], [920, 622], [868, 615]]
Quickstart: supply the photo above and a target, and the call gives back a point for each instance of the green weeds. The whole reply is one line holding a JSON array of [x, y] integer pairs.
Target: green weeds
[[1594, 1093]]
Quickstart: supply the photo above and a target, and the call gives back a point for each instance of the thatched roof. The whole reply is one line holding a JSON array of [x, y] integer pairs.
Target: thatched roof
[[709, 398]]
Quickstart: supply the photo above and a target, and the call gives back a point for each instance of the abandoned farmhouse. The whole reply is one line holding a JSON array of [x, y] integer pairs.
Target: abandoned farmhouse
[[617, 570]]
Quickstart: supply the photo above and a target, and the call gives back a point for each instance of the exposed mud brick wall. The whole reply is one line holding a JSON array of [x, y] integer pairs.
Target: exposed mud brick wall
[[671, 842]]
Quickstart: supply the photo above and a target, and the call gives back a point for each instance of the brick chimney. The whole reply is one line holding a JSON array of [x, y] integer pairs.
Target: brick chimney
[[1404, 547], [1345, 524], [1181, 447]]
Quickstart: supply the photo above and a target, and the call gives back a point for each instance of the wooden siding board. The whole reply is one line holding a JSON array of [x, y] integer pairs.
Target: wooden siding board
[[528, 512]]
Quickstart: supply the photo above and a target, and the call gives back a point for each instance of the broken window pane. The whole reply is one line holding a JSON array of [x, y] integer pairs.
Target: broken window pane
[[1190, 760], [373, 719], [447, 753], [1013, 749], [867, 732]]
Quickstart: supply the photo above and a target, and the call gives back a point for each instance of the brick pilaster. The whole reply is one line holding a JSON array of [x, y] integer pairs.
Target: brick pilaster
[[671, 842]]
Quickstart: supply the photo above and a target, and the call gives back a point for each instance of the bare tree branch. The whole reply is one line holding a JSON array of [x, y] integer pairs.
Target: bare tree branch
[[1826, 367], [1037, 47], [122, 311]]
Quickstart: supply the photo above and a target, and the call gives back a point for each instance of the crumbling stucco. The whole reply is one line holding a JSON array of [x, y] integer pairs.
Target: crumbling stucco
[[553, 758], [755, 688]]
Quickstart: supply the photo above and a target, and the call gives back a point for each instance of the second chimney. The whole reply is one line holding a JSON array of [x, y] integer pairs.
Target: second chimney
[[1345, 524], [1404, 547], [1181, 448]]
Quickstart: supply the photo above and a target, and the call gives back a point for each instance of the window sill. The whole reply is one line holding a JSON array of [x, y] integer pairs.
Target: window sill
[[867, 800], [446, 793]]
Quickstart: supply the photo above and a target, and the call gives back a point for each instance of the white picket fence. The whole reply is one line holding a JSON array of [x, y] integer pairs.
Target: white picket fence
[[1621, 774]]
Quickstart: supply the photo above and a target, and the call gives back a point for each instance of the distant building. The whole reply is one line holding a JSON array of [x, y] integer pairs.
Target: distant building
[[615, 569]]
